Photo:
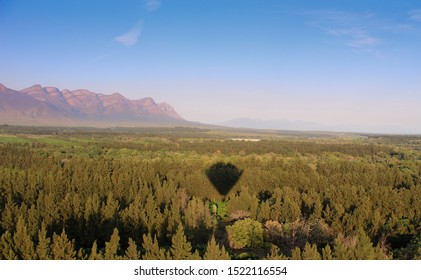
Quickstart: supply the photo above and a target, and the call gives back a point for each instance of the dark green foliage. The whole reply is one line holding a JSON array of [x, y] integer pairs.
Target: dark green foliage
[[149, 193]]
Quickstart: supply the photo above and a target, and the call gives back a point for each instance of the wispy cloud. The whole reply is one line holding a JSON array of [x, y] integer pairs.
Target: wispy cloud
[[152, 5], [355, 37], [399, 28], [415, 15], [131, 37], [356, 30], [336, 16]]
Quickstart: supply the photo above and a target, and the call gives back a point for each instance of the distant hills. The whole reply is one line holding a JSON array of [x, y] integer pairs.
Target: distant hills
[[39, 105], [273, 124], [298, 125]]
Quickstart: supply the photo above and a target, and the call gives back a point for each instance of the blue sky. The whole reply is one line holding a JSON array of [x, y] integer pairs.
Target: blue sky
[[331, 62]]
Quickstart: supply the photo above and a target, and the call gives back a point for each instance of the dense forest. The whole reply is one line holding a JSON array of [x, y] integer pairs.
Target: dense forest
[[185, 193]]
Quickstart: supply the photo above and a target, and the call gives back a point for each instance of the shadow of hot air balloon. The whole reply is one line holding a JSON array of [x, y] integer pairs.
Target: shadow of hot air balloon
[[223, 176]]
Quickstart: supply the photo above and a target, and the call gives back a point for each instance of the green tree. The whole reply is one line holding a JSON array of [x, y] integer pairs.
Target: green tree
[[247, 233], [296, 253], [310, 252], [215, 251], [341, 250], [364, 249], [198, 220], [151, 248], [22, 240], [95, 255], [62, 248], [131, 252], [43, 249], [275, 254], [243, 204], [181, 249], [113, 246], [327, 253], [7, 251]]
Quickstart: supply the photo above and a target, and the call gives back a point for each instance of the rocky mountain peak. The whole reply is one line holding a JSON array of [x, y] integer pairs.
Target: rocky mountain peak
[[82, 105]]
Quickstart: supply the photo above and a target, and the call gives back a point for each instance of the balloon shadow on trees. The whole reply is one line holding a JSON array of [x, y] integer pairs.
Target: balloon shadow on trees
[[223, 176]]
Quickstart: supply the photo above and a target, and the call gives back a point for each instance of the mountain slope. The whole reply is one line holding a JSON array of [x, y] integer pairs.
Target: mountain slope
[[17, 107], [51, 106]]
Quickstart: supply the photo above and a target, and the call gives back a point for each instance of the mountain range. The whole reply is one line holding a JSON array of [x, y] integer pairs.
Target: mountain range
[[39, 105], [50, 106]]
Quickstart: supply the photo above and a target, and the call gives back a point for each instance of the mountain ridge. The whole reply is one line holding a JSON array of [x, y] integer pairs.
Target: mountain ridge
[[51, 106]]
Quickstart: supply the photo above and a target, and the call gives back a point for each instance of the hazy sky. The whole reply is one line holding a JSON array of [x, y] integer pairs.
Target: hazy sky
[[353, 62]]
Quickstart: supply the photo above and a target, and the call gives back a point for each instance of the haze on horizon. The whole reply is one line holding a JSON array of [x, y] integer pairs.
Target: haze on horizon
[[338, 63]]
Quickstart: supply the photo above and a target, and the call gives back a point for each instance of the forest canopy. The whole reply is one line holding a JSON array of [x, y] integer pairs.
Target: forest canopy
[[184, 193]]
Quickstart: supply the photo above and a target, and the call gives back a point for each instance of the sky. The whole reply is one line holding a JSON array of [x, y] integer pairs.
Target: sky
[[351, 62]]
